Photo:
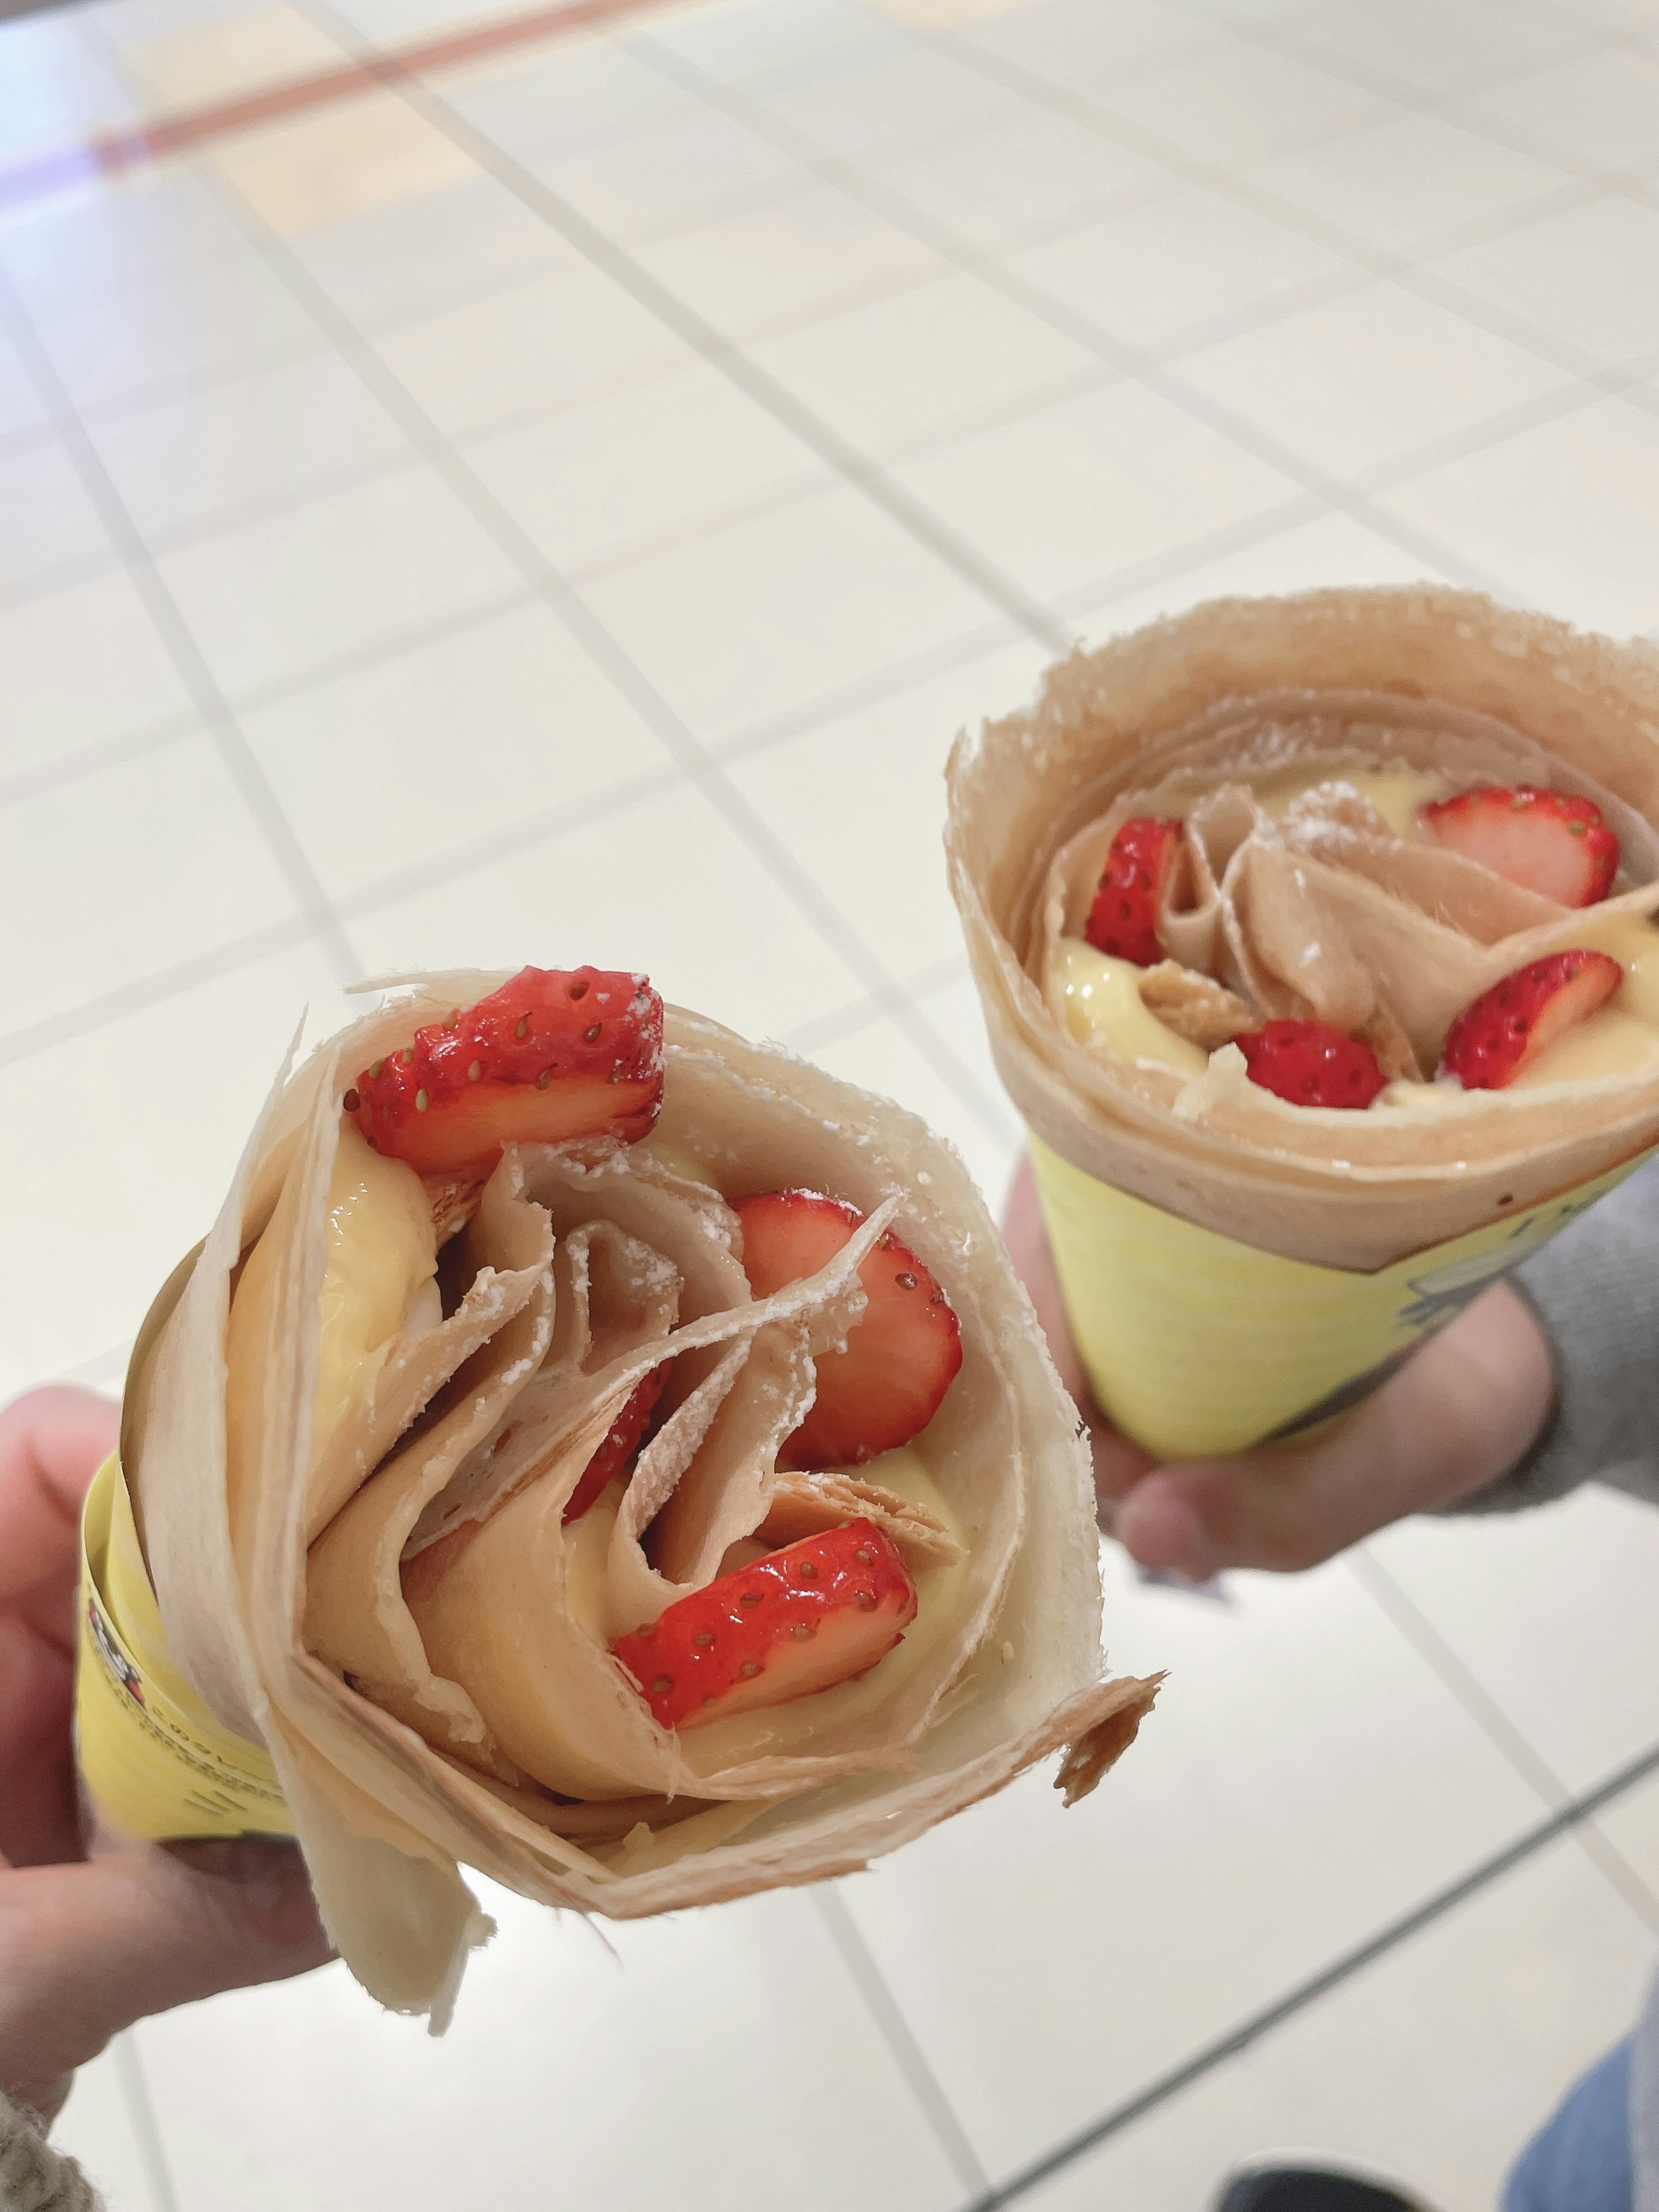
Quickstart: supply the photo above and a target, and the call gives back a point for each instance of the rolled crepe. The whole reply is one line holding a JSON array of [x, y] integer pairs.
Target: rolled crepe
[[367, 1569], [1320, 909]]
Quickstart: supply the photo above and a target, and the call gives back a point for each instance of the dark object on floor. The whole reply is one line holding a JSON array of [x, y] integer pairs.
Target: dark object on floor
[[1310, 2188]]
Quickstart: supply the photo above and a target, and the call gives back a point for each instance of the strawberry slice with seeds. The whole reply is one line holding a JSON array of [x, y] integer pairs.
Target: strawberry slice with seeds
[[1550, 841], [620, 1443], [902, 1354], [552, 1056], [818, 1612], [1123, 919], [1498, 1033], [1312, 1064]]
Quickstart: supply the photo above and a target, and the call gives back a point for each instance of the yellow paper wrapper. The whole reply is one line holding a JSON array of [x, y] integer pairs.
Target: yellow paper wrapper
[[156, 1762], [1197, 1345]]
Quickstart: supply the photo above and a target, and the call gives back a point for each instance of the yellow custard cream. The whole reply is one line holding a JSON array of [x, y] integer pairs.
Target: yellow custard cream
[[1607, 1042], [380, 1280], [1621, 1036], [1396, 792], [1099, 1000], [587, 1543]]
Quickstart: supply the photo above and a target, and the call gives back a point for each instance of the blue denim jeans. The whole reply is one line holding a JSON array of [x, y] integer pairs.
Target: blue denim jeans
[[1580, 2159]]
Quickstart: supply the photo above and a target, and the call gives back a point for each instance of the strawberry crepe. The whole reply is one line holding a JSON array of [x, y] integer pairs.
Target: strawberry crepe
[[539, 1506], [1325, 851]]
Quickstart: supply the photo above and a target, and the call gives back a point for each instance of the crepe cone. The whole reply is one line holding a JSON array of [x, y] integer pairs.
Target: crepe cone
[[1170, 717], [382, 1639]]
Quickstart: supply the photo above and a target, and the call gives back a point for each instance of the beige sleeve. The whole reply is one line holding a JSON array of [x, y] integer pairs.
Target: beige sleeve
[[34, 2178]]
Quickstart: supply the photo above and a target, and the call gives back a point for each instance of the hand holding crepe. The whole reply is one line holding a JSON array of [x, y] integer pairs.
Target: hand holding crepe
[[510, 1463], [1241, 884]]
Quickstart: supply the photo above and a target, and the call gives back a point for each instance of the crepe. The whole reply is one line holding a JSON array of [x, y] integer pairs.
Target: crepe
[[1322, 912], [395, 1610]]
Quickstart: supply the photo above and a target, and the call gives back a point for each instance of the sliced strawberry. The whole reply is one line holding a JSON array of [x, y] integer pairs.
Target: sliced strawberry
[[1312, 1064], [620, 1443], [1123, 919], [902, 1353], [1549, 841], [815, 1613], [550, 1056], [1496, 1034]]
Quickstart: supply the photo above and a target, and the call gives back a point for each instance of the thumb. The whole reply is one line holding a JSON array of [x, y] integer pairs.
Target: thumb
[[86, 1949], [1461, 1412]]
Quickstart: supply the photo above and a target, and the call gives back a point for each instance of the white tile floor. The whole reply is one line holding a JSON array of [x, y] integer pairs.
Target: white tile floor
[[561, 506]]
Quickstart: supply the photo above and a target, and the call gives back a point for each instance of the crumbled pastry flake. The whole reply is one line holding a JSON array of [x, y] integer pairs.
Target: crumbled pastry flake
[[1195, 1006]]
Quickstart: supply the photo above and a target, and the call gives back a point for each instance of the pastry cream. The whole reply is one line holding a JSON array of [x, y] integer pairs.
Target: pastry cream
[[1098, 998], [587, 1544], [1634, 943], [1623, 1035], [382, 1258], [1396, 793], [1606, 1043]]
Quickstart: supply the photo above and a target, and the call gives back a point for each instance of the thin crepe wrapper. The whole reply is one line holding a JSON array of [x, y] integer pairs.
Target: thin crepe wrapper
[[1507, 695], [228, 1501]]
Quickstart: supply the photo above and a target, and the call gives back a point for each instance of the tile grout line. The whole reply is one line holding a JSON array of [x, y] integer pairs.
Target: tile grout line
[[1180, 172], [885, 685], [248, 513], [1151, 370], [110, 155], [890, 681], [528, 831], [970, 260], [141, 2110], [1396, 1602], [154, 990], [1434, 455], [860, 1013], [179, 386], [1402, 267], [62, 576], [199, 682], [689, 753], [895, 2032], [49, 775], [443, 868], [1223, 2047], [722, 353], [1330, 61], [1095, 593], [375, 653], [1091, 595]]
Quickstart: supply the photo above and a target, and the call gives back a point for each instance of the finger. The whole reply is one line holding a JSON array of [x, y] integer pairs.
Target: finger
[[86, 1950], [52, 1441], [39, 1818], [1119, 1466], [1456, 1416]]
